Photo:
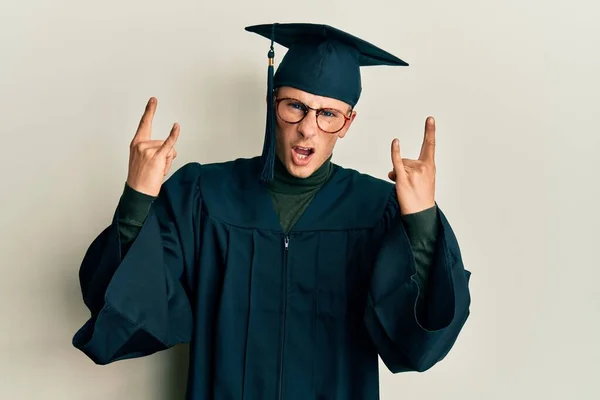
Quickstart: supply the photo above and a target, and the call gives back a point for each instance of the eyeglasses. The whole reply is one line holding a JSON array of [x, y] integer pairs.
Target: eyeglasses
[[292, 111]]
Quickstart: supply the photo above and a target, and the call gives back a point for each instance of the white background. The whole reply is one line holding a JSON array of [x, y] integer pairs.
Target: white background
[[514, 88]]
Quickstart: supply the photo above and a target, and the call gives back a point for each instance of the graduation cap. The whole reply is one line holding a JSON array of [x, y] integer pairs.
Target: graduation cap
[[321, 60]]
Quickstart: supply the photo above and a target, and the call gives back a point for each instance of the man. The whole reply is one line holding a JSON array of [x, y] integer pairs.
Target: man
[[291, 285]]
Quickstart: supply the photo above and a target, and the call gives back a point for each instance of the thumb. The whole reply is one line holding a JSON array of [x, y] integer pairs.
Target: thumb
[[397, 159]]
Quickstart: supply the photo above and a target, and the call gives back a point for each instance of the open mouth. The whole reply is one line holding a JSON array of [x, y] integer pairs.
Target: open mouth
[[302, 155]]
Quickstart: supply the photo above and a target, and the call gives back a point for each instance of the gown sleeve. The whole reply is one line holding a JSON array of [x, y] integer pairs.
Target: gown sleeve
[[139, 301], [413, 332]]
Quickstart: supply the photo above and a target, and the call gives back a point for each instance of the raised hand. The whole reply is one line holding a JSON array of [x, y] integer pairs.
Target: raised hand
[[415, 179], [150, 160]]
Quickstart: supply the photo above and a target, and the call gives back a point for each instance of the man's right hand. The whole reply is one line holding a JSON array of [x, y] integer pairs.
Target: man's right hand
[[150, 160]]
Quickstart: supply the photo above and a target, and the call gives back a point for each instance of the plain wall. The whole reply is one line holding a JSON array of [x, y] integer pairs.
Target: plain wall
[[514, 88]]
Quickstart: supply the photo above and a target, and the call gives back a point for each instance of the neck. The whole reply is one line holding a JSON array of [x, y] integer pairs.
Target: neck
[[285, 183]]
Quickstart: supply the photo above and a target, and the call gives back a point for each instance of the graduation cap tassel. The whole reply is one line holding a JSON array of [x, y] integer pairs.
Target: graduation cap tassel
[[268, 154]]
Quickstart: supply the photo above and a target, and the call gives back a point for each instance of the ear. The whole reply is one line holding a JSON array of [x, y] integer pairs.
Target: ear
[[343, 132]]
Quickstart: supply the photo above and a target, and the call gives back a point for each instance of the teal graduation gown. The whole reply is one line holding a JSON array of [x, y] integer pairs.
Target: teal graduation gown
[[270, 315]]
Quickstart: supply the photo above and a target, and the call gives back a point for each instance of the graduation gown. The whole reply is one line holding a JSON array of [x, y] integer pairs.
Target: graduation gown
[[269, 314]]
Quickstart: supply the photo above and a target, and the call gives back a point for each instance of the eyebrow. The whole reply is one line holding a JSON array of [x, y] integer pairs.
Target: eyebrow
[[349, 108]]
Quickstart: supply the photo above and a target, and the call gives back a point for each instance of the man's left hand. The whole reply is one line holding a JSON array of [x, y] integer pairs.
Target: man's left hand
[[415, 179]]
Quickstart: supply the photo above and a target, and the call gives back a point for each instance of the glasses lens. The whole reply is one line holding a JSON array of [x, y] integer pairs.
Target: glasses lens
[[291, 111], [331, 120]]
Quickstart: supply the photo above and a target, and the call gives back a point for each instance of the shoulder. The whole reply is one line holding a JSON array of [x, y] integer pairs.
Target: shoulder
[[362, 184], [367, 198], [184, 181], [230, 192], [229, 173], [229, 178], [213, 175]]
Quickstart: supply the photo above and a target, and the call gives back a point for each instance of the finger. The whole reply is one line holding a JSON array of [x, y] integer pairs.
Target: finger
[[170, 157], [168, 166], [172, 153], [144, 131], [397, 159], [149, 144], [408, 163], [171, 140], [428, 148]]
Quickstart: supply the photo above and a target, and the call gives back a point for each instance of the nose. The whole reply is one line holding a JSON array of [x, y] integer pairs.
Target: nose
[[308, 126]]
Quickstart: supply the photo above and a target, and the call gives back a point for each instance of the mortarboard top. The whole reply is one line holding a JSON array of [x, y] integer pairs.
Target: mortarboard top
[[321, 60]]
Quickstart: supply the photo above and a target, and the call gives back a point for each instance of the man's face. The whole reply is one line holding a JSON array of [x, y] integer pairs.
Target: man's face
[[304, 147]]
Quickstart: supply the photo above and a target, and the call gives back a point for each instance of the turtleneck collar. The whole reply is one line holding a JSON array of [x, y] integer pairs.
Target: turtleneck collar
[[285, 183]]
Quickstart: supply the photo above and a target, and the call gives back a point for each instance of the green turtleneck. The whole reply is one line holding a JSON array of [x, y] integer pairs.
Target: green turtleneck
[[291, 196]]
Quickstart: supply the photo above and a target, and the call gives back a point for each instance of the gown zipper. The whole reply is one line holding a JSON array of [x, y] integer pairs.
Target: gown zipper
[[286, 243]]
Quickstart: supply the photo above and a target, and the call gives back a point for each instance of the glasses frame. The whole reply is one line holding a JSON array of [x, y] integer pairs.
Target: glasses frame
[[317, 111]]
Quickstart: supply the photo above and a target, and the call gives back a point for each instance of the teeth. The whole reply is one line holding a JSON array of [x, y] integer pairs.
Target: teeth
[[303, 149]]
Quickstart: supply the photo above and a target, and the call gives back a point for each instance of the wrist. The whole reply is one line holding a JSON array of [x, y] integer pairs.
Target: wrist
[[144, 189], [414, 209]]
